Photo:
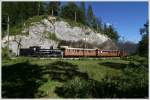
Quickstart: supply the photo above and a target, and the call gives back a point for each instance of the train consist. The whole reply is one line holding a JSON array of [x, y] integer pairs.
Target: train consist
[[70, 52]]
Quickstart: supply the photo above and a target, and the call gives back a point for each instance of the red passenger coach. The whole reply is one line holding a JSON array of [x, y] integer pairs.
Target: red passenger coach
[[108, 53], [79, 52]]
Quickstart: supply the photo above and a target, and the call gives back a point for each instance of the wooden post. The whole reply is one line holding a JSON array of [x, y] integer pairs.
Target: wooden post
[[75, 17], [52, 11], [8, 36], [97, 27], [39, 9]]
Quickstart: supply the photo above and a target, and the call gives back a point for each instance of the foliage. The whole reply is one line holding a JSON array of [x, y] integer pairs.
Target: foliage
[[76, 88], [52, 36], [111, 32], [19, 12], [19, 27], [70, 11], [83, 9], [72, 23], [143, 44], [132, 84], [74, 79], [5, 53], [90, 13], [54, 8]]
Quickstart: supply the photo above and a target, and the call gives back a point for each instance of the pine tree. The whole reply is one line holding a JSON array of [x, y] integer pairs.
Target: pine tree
[[54, 8], [143, 44], [73, 12], [90, 17], [83, 9], [20, 11], [90, 12]]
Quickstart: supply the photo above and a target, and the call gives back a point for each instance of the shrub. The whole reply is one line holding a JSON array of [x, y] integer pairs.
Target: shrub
[[53, 36], [75, 88], [5, 53], [132, 84]]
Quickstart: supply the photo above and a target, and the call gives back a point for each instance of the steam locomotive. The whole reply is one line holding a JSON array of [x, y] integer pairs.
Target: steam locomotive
[[65, 51]]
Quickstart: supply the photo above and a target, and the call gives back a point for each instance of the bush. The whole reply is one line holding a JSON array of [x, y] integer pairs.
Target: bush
[[132, 84], [143, 61], [5, 53], [75, 88], [53, 36]]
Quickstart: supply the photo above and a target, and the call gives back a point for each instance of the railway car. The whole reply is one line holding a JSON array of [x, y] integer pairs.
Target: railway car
[[108, 53], [79, 52]]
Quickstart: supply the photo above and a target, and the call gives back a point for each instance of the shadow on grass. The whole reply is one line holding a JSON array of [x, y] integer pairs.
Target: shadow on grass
[[106, 88], [114, 65], [121, 86], [22, 80], [63, 71]]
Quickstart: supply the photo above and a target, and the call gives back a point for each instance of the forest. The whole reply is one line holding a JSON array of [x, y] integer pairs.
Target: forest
[[18, 12]]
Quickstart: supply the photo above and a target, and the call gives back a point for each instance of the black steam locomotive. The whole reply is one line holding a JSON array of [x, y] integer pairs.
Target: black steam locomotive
[[36, 51]]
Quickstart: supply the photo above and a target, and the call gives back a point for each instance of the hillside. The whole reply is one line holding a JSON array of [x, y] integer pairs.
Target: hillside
[[51, 31]]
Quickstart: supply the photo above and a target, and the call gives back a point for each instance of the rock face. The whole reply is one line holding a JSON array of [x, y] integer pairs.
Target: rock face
[[39, 32]]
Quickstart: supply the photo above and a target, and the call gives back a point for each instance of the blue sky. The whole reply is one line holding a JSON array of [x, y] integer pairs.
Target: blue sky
[[127, 17]]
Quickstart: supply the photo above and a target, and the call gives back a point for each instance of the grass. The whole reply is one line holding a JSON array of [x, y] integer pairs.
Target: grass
[[53, 74], [95, 70]]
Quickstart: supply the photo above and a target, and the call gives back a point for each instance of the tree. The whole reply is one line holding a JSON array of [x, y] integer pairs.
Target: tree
[[41, 9], [93, 21], [20, 11], [73, 12], [83, 10], [97, 24], [90, 12], [54, 8], [111, 32], [143, 44]]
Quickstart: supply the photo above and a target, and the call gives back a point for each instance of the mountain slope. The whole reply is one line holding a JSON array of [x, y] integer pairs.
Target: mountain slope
[[49, 32]]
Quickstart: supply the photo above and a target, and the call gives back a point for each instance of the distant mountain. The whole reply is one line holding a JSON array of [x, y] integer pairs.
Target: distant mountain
[[128, 47], [51, 31]]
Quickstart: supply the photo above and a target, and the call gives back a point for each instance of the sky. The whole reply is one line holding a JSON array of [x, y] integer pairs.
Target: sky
[[126, 17]]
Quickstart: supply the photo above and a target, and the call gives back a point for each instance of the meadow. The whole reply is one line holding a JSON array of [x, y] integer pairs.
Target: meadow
[[28, 77]]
